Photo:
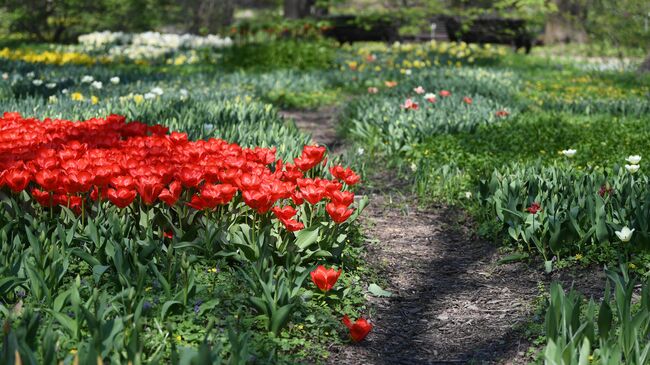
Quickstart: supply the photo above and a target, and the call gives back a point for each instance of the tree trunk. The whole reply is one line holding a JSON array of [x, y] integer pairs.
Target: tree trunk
[[564, 26], [645, 66], [297, 9]]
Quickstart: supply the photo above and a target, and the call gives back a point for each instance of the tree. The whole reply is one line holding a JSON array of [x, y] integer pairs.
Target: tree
[[297, 9], [207, 16]]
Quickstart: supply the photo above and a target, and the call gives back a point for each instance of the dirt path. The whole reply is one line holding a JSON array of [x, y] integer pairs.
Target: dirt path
[[452, 302]]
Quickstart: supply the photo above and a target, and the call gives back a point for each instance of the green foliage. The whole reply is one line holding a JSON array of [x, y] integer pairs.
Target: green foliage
[[286, 54], [613, 332]]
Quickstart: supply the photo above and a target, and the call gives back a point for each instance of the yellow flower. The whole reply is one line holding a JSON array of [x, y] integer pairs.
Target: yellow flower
[[213, 270], [178, 338], [138, 98], [73, 351], [94, 100], [578, 257], [631, 266], [77, 96]]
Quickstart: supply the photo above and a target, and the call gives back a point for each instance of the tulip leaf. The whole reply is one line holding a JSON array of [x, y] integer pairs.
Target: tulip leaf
[[377, 291], [167, 306], [307, 237]]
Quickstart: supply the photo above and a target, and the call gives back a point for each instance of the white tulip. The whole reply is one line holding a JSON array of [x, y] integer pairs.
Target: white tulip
[[625, 234], [149, 96], [87, 79], [30, 75], [157, 91], [569, 153], [115, 80], [50, 85], [37, 82], [360, 151], [468, 194], [5, 76], [632, 168], [97, 85], [633, 159]]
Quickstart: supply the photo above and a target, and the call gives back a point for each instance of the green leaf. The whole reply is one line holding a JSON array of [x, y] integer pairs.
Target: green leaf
[[307, 237], [280, 318], [377, 291], [167, 306], [513, 258], [98, 271]]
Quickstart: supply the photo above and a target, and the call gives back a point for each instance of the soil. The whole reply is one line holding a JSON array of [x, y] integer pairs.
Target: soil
[[452, 301]]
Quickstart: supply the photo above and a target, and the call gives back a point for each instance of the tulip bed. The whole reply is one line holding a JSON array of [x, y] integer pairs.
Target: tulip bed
[[170, 215], [491, 139]]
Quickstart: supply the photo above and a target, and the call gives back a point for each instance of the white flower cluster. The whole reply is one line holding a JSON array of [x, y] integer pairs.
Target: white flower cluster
[[148, 45]]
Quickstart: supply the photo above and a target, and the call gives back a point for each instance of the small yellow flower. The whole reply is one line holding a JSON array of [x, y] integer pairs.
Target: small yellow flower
[[213, 270], [138, 98], [73, 351], [578, 257], [631, 266], [77, 96], [94, 100], [147, 289], [178, 338]]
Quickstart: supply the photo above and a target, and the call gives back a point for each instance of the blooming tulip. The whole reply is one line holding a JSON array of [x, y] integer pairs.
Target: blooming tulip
[[339, 212], [634, 159], [632, 168], [409, 104], [445, 93], [625, 234], [325, 279], [534, 208], [419, 90], [569, 153], [372, 90], [359, 329], [430, 97]]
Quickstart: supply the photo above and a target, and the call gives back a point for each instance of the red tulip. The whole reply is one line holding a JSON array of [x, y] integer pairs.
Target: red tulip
[[346, 175], [284, 213], [339, 213], [48, 179], [171, 195], [312, 193], [149, 187], [17, 179], [467, 100], [325, 279], [121, 197], [344, 198], [445, 93], [534, 208], [359, 329]]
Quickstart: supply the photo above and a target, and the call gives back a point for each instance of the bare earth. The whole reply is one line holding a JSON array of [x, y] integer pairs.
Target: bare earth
[[452, 302]]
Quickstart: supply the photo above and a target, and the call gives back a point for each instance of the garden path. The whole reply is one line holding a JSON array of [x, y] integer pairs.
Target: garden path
[[452, 302]]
